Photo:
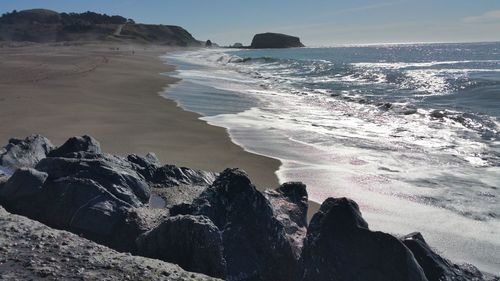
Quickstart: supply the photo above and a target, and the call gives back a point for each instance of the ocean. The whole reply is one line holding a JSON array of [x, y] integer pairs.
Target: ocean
[[409, 131]]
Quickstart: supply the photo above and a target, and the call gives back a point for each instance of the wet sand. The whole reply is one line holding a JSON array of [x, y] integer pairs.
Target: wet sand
[[112, 93]]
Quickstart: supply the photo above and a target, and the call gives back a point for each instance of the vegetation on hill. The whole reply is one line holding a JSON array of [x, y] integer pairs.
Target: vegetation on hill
[[41, 25]]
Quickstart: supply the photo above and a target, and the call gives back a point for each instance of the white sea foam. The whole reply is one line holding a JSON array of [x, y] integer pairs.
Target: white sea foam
[[400, 65], [408, 172]]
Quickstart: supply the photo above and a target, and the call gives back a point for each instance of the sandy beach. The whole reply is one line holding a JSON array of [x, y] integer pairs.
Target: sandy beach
[[112, 93]]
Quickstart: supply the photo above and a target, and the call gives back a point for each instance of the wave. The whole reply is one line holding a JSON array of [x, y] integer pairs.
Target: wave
[[418, 139], [401, 65]]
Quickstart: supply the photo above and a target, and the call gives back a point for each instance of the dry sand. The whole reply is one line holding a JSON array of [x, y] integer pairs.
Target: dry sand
[[112, 93]]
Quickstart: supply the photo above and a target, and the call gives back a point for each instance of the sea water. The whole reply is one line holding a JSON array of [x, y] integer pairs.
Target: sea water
[[411, 132]]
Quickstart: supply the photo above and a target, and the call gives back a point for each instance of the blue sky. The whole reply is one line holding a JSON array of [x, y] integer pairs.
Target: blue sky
[[317, 22]]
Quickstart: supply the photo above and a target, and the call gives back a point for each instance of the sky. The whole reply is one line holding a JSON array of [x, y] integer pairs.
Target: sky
[[316, 22]]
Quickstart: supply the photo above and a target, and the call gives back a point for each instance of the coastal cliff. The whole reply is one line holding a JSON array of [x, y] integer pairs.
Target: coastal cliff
[[42, 26], [216, 224]]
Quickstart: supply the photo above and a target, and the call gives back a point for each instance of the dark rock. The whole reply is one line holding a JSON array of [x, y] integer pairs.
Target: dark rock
[[25, 153], [23, 184], [29, 250], [170, 175], [3, 179], [438, 114], [208, 43], [77, 144], [146, 165], [193, 242], [150, 160], [339, 246], [275, 40], [290, 204], [437, 268], [255, 243], [237, 45], [112, 173], [82, 206]]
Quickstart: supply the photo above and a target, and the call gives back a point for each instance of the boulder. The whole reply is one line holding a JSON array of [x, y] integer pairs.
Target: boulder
[[290, 204], [24, 184], [150, 160], [339, 246], [208, 44], [145, 165], [27, 153], [255, 243], [83, 206], [79, 205], [77, 144], [437, 268], [193, 242], [170, 175], [112, 173], [275, 40]]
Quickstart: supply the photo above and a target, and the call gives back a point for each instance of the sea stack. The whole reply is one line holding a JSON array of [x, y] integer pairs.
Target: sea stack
[[275, 40]]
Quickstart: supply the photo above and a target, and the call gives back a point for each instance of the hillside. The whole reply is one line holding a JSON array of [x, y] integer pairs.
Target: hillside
[[41, 26]]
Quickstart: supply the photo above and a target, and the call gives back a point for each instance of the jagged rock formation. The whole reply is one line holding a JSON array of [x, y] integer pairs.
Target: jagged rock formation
[[216, 224], [289, 203], [192, 242], [255, 243], [25, 153], [339, 246], [275, 40], [78, 188], [41, 25], [437, 268]]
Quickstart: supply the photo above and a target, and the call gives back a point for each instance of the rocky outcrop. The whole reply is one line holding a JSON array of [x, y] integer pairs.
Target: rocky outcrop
[[77, 144], [216, 224], [339, 246], [289, 203], [437, 268], [30, 250], [25, 152], [275, 40], [24, 184], [168, 175], [78, 188], [192, 242], [111, 173], [256, 246]]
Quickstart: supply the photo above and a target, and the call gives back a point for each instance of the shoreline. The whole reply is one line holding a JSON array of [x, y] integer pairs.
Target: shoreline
[[313, 206], [261, 131], [113, 92]]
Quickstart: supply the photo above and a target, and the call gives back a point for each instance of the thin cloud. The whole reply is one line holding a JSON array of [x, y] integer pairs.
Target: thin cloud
[[488, 17]]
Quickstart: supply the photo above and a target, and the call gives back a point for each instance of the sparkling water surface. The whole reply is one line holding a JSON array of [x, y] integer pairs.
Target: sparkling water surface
[[411, 132]]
